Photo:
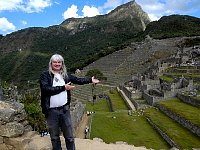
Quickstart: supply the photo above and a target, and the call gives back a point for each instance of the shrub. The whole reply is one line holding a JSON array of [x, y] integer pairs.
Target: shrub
[[95, 72], [33, 109]]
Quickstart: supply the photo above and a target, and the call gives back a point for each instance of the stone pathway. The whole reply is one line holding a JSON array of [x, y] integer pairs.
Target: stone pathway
[[80, 132]]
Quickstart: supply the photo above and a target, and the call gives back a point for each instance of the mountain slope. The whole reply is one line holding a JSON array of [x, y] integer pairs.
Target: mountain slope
[[174, 26], [80, 40]]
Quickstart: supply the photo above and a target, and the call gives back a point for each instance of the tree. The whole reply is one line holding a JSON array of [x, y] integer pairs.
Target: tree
[[96, 73]]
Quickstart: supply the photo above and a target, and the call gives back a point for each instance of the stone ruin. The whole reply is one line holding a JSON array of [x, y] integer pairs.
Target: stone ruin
[[152, 89]]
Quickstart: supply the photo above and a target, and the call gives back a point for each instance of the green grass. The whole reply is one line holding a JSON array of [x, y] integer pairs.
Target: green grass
[[118, 102], [191, 75], [182, 69], [187, 111], [101, 106], [183, 137], [133, 129], [166, 78]]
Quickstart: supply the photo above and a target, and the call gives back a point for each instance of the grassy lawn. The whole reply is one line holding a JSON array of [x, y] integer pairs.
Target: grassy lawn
[[117, 101], [119, 126], [135, 130], [100, 105], [184, 69], [187, 111], [176, 132], [166, 78], [186, 75]]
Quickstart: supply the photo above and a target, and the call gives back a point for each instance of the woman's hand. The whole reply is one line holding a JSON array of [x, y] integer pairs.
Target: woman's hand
[[68, 86]]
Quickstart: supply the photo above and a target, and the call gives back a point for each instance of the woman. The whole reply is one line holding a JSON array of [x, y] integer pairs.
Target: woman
[[55, 85]]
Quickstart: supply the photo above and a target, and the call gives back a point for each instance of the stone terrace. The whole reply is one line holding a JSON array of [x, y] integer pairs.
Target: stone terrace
[[119, 66]]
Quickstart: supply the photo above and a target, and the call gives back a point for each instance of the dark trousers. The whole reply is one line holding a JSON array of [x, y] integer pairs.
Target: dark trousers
[[60, 119]]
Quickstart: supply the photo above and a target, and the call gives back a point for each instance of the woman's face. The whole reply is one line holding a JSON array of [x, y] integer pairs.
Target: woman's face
[[56, 65]]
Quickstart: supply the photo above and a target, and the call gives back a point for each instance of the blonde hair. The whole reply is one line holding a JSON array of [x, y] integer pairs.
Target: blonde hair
[[57, 57]]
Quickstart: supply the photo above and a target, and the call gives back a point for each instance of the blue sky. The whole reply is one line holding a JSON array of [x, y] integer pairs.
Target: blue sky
[[20, 14]]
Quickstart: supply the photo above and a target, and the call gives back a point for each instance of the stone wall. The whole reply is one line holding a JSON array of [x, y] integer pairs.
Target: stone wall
[[13, 119], [150, 98], [189, 100], [14, 125], [1, 94], [130, 101], [173, 93], [77, 110], [13, 122], [186, 123], [126, 91], [164, 135], [150, 84]]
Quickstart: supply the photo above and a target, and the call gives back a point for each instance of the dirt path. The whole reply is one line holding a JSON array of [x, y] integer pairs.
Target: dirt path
[[80, 131]]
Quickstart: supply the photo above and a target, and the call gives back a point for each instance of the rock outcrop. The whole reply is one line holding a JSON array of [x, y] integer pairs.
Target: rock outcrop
[[13, 122]]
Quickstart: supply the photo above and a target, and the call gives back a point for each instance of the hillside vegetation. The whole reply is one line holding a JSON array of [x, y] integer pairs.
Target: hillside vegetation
[[80, 40], [24, 54], [173, 26]]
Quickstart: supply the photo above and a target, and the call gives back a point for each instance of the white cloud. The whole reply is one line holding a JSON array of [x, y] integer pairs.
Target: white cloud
[[36, 5], [87, 12], [23, 22], [71, 12], [90, 11], [159, 8], [10, 4], [153, 17], [28, 6], [5, 25], [183, 6]]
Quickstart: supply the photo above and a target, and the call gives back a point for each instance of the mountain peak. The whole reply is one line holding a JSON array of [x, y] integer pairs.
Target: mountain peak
[[131, 11]]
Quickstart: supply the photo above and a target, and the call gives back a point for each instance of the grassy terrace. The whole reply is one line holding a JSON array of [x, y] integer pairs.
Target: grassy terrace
[[184, 110], [135, 129], [119, 126], [167, 78], [117, 101], [179, 134], [192, 75], [100, 106], [187, 72], [84, 92], [193, 97], [183, 69]]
